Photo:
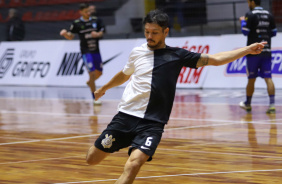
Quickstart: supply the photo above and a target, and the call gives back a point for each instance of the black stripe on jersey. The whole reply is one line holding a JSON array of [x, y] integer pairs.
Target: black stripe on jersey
[[168, 63]]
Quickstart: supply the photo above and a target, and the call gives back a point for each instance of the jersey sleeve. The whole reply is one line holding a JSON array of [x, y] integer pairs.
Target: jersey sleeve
[[190, 59], [272, 26], [250, 21], [101, 26], [74, 28], [129, 68]]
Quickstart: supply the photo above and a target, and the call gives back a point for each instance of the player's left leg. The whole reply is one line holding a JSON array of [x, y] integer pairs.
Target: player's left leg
[[132, 167], [98, 65], [91, 81], [271, 93], [266, 74]]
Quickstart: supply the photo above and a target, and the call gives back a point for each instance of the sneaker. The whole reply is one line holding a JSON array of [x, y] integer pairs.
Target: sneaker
[[248, 108], [271, 110], [97, 102]]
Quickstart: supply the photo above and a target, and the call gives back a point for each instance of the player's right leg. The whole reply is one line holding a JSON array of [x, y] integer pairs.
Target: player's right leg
[[249, 93], [95, 156], [252, 67]]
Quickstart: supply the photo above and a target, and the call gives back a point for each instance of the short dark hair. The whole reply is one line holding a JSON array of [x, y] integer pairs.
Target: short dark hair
[[157, 16], [257, 2], [83, 6]]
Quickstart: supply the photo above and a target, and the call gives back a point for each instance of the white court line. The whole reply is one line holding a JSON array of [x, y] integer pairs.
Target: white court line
[[178, 150], [53, 114], [20, 142], [176, 175], [18, 138], [43, 140], [200, 126], [73, 137], [118, 100], [219, 153], [44, 159], [87, 115], [167, 129]]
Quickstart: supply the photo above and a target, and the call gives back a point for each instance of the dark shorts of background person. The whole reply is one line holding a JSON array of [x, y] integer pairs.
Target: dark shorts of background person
[[93, 61], [259, 66], [126, 130]]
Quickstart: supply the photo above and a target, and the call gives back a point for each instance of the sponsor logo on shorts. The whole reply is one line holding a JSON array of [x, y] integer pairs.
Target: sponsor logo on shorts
[[239, 66], [143, 147], [108, 141]]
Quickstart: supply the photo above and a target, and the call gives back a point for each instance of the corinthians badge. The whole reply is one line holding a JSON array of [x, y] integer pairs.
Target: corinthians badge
[[107, 142]]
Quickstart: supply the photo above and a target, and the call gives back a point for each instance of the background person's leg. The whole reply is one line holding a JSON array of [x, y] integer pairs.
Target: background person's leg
[[271, 93]]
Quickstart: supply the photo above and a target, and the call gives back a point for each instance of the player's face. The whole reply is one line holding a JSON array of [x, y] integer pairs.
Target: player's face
[[155, 35], [251, 4], [85, 13], [92, 10]]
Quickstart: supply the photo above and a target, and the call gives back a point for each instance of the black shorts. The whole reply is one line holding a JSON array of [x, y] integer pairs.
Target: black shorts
[[126, 130]]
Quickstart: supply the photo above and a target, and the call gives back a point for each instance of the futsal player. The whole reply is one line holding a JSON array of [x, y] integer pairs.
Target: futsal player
[[147, 100], [258, 24], [90, 30]]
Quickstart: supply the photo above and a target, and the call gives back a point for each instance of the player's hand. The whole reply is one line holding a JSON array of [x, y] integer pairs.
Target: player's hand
[[95, 34], [256, 48], [99, 93], [63, 32], [242, 18]]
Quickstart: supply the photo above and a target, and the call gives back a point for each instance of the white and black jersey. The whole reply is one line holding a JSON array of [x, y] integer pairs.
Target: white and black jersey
[[151, 90]]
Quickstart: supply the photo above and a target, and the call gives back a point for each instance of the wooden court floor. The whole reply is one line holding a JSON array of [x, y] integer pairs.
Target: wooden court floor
[[46, 132]]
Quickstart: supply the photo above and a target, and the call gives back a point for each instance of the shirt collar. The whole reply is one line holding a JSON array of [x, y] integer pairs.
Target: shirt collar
[[258, 8], [81, 18]]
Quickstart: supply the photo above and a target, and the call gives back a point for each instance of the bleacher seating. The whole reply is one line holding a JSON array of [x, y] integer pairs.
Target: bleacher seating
[[277, 10], [27, 16], [55, 14], [15, 3], [50, 16], [30, 3], [26, 3], [2, 4], [1, 18]]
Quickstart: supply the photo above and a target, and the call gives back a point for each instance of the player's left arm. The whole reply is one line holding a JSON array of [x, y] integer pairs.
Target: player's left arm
[[246, 23], [272, 26], [96, 34], [101, 30], [229, 56]]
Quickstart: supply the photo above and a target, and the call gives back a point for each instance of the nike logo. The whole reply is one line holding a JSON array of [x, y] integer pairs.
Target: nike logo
[[104, 62], [142, 147]]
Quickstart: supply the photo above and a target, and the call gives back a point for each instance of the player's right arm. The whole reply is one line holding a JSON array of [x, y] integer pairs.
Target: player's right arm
[[117, 80], [68, 35]]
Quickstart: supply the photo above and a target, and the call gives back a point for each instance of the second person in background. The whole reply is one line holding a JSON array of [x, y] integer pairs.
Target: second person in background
[[90, 30]]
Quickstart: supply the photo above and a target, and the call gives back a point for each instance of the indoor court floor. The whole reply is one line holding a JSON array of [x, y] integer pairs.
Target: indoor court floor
[[45, 133]]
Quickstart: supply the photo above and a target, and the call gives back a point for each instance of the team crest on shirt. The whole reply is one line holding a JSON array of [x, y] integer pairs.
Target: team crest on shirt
[[108, 141], [94, 25]]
